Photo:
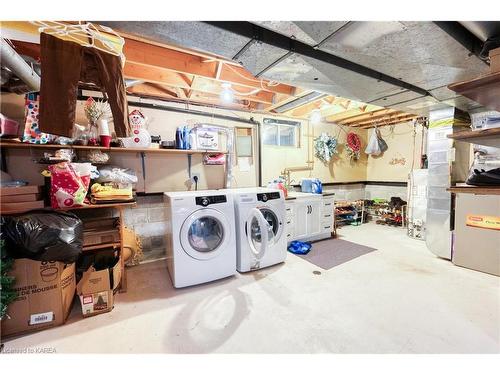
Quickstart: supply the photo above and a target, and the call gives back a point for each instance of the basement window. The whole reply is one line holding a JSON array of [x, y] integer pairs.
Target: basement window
[[280, 132]]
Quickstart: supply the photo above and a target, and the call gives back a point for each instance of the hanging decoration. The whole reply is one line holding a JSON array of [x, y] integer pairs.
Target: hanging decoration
[[353, 146], [398, 159], [325, 147]]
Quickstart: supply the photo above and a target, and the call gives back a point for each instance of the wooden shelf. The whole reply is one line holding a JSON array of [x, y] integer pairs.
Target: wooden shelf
[[86, 207], [484, 90], [479, 190], [485, 137], [14, 144], [101, 246]]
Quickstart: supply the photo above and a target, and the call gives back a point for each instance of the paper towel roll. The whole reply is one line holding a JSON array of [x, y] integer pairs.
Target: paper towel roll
[[103, 127]]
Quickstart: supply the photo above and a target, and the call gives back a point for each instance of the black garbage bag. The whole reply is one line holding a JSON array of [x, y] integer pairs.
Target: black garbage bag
[[44, 236]]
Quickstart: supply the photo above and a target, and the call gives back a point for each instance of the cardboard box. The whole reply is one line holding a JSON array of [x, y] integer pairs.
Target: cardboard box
[[21, 206], [29, 189], [96, 288], [45, 295], [100, 231], [494, 60], [20, 198], [105, 236]]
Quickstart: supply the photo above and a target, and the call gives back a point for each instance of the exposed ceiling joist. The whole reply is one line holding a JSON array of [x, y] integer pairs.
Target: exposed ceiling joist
[[393, 122], [367, 116], [383, 120], [365, 108], [163, 57]]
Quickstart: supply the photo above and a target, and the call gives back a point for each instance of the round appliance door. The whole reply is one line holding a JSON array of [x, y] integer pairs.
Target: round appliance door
[[273, 228], [205, 234]]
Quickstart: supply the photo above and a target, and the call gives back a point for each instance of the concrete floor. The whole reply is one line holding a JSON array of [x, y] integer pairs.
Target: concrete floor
[[399, 299]]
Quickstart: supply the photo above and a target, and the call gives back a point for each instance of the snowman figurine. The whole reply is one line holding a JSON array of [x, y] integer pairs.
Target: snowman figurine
[[140, 137]]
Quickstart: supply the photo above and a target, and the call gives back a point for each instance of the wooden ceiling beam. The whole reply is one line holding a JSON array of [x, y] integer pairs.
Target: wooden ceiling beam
[[152, 89], [281, 99], [166, 58], [214, 87], [367, 116], [393, 121], [156, 75], [352, 112], [389, 117], [167, 78]]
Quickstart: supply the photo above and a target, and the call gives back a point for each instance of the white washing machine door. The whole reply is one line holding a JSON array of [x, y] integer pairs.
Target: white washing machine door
[[263, 228], [205, 234]]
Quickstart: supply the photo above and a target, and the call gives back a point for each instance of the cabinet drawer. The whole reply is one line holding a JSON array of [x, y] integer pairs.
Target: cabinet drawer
[[327, 215], [326, 227], [327, 203]]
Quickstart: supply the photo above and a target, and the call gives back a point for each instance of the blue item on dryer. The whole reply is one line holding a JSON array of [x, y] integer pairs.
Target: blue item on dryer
[[179, 143], [298, 247], [311, 185], [185, 138]]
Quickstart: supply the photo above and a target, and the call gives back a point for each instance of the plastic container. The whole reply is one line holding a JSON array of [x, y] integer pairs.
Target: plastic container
[[8, 126]]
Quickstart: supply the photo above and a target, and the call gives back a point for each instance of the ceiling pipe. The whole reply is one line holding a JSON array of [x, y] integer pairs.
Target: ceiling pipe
[[463, 36], [16, 64]]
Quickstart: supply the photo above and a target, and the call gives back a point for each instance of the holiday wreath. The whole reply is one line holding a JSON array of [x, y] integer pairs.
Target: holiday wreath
[[325, 146], [353, 145]]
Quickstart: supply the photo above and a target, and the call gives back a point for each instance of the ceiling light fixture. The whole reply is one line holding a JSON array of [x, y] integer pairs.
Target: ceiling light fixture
[[227, 94], [315, 117]]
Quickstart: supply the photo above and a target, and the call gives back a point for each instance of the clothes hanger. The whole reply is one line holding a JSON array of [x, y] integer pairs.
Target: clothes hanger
[[86, 34]]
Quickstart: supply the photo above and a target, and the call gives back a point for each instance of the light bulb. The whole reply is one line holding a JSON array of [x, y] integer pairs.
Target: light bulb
[[227, 94], [315, 116]]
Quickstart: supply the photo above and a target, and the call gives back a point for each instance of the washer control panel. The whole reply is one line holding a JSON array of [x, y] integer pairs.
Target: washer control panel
[[208, 200], [264, 197]]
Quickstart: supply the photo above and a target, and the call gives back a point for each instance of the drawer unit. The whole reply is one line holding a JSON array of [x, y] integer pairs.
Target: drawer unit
[[309, 217]]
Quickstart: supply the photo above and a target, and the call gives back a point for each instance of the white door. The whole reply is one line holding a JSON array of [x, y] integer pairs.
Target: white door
[[205, 234], [301, 216], [259, 232], [314, 218]]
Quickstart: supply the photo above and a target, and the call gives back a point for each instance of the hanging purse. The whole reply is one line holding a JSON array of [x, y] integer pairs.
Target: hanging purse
[[381, 143]]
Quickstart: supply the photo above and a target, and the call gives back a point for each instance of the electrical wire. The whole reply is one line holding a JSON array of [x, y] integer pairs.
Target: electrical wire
[[270, 83]]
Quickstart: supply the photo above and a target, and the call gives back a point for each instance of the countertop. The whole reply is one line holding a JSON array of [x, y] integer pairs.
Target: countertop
[[298, 194]]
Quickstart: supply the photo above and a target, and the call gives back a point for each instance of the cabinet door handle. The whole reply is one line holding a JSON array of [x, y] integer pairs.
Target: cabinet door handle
[[311, 209]]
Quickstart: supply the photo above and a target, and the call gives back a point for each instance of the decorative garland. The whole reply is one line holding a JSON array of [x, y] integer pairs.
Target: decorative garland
[[325, 146], [353, 146]]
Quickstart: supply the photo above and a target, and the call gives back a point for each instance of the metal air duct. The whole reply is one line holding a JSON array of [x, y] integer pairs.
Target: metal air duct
[[18, 66]]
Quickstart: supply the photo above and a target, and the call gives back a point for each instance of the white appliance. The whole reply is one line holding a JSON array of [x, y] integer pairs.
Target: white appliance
[[200, 236], [260, 222]]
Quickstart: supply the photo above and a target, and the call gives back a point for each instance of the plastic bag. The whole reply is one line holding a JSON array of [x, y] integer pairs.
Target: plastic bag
[[120, 177], [381, 143], [44, 236], [373, 147], [298, 247], [69, 184]]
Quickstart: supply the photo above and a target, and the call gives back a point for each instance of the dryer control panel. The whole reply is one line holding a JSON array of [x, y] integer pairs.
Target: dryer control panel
[[264, 197], [205, 201]]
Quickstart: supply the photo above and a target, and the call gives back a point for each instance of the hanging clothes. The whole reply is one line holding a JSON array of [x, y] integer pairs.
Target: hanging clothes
[[64, 64]]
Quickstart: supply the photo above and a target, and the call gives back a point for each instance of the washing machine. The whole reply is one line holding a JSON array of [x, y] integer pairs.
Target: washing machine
[[200, 236], [260, 222]]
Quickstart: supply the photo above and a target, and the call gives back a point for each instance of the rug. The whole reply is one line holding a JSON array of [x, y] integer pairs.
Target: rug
[[330, 253]]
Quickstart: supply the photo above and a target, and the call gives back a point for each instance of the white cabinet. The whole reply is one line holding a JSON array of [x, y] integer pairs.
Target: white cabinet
[[309, 217]]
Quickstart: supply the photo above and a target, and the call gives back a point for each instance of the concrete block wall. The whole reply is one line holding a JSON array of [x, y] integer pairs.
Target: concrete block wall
[[385, 192], [147, 219], [347, 192]]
